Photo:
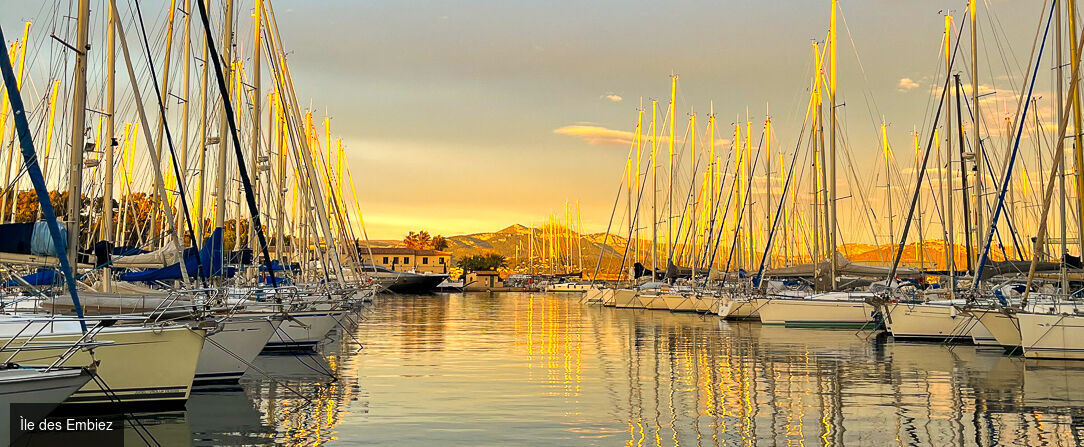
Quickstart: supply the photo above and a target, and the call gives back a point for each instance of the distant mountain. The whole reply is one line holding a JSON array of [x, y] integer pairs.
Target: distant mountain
[[549, 247]]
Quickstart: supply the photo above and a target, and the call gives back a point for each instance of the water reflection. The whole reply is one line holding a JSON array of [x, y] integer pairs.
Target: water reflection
[[536, 369], [539, 369]]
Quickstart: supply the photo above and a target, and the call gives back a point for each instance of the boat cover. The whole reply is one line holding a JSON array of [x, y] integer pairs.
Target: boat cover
[[210, 259], [844, 266], [43, 277]]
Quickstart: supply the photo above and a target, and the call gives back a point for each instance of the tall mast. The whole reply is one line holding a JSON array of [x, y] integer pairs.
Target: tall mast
[[888, 182], [155, 229], [185, 83], [768, 173], [636, 180], [1078, 148], [976, 146], [950, 251], [748, 197], [628, 192], [711, 167], [201, 225], [918, 203], [692, 176], [255, 138], [3, 128], [79, 106], [1061, 176], [815, 131], [966, 214], [110, 142], [670, 182], [654, 189], [223, 141], [832, 146], [738, 189]]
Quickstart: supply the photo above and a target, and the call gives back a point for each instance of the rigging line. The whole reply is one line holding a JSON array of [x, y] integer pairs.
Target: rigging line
[[861, 192], [602, 250], [1012, 155], [906, 224], [867, 93], [746, 203], [712, 236], [169, 142], [30, 160], [249, 192], [782, 196]]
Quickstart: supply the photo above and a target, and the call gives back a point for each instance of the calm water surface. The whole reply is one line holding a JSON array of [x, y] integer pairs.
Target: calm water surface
[[538, 369]]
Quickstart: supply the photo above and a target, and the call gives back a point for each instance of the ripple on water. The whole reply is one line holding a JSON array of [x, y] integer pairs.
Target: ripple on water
[[538, 369]]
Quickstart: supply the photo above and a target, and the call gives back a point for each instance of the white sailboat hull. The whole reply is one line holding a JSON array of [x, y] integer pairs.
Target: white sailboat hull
[[679, 303], [142, 365], [732, 308], [929, 321], [626, 298], [652, 301], [303, 331], [46, 389], [823, 313], [228, 352], [1052, 336]]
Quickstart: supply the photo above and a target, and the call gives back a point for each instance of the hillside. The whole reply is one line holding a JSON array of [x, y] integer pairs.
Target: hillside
[[515, 243]]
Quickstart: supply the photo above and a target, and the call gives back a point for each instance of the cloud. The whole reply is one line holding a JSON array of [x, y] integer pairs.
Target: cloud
[[597, 135], [906, 84], [613, 98], [602, 136]]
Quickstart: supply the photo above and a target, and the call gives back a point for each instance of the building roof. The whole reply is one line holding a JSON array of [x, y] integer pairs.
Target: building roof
[[402, 251], [486, 273]]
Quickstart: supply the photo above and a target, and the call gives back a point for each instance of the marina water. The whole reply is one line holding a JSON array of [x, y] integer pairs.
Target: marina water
[[541, 369]]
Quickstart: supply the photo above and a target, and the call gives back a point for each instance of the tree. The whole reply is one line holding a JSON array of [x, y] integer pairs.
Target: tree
[[438, 243], [417, 241], [490, 261]]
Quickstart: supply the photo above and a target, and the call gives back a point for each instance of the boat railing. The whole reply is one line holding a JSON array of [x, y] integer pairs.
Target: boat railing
[[85, 341]]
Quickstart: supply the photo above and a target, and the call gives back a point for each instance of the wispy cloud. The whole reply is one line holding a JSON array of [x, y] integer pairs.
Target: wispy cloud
[[613, 97], [906, 84], [597, 135]]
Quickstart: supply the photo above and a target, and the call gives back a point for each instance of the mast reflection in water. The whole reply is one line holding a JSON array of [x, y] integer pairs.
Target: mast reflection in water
[[538, 369]]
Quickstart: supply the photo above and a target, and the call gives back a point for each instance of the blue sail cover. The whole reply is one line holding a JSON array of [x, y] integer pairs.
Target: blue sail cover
[[210, 259], [43, 277]]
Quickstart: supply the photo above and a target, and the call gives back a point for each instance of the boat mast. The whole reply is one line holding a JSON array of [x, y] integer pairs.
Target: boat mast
[[768, 172], [159, 181], [255, 138], [977, 141], [711, 169], [185, 84], [832, 146], [963, 175], [816, 130], [1064, 273], [1078, 148], [692, 176], [201, 225], [155, 229], [748, 198], [946, 193], [223, 142], [737, 192], [636, 180], [654, 189], [888, 182], [670, 182], [79, 106], [3, 128], [110, 143]]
